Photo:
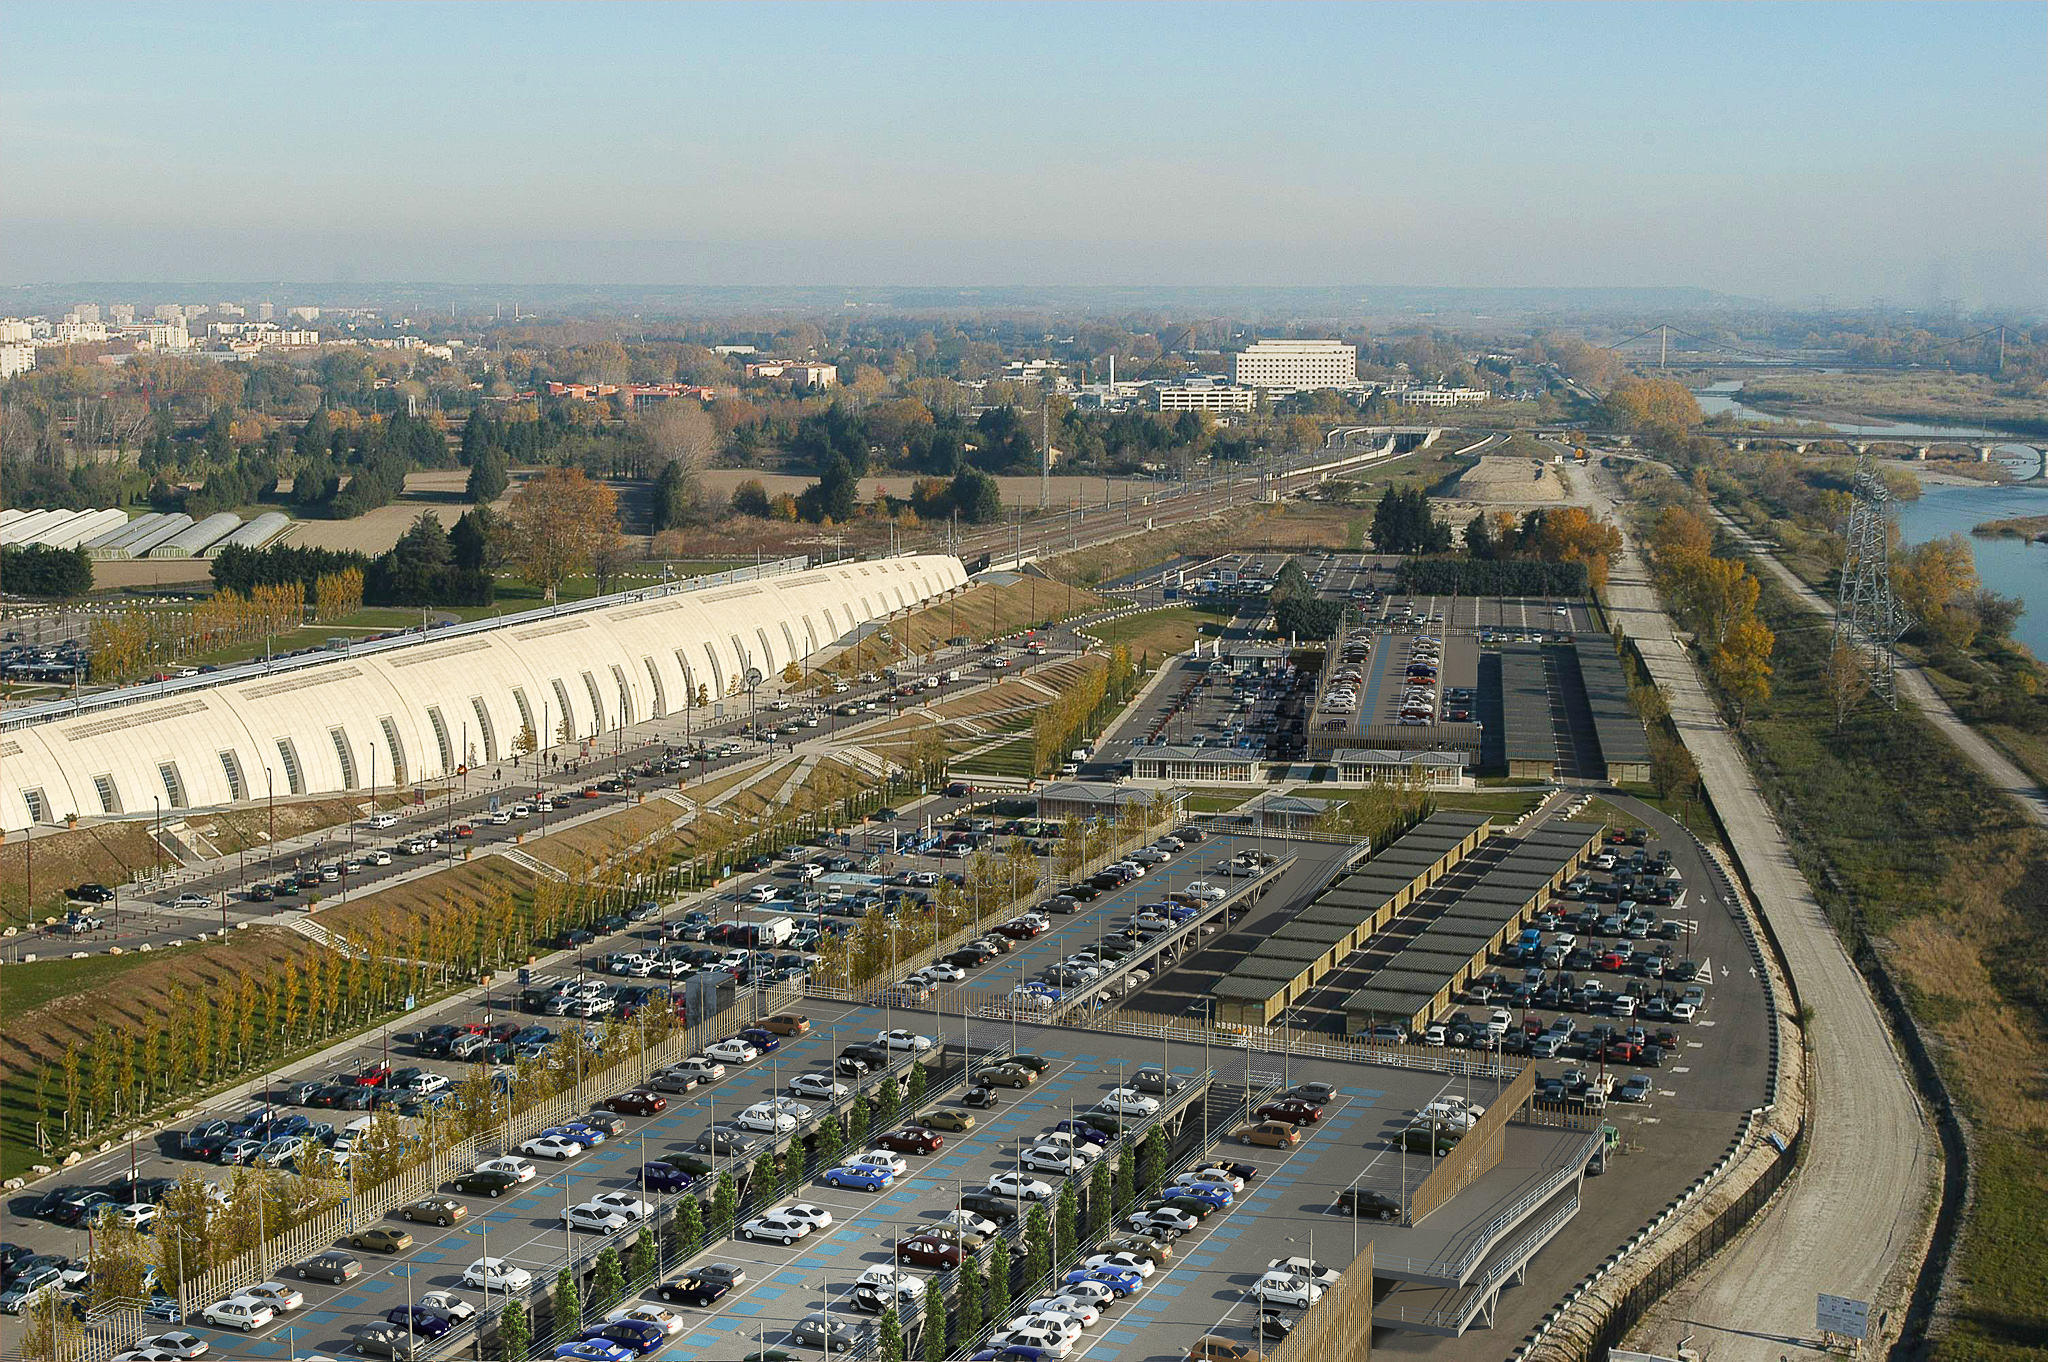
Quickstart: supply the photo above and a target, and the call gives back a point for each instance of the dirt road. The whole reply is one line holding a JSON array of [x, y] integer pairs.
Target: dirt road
[[1850, 1221]]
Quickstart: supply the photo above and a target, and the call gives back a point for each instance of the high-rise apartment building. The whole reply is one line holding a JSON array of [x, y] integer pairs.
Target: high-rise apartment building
[[1295, 365]]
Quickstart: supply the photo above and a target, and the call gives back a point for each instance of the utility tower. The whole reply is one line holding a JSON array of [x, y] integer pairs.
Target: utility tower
[[1868, 616]]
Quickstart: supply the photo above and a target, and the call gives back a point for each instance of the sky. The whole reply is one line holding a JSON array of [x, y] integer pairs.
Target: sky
[[1792, 152]]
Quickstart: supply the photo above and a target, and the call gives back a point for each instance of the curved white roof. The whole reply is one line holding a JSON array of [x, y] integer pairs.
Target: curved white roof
[[255, 534], [188, 542], [420, 706]]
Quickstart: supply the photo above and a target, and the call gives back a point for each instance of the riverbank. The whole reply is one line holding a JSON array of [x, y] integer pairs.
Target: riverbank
[[1852, 400], [2031, 527]]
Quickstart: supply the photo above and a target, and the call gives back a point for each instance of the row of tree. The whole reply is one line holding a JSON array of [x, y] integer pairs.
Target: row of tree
[[1716, 598], [43, 572], [1298, 612]]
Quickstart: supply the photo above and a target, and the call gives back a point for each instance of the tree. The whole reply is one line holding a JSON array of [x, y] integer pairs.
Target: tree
[[750, 498], [681, 435], [999, 1281], [858, 1118], [1152, 1158], [967, 1319], [515, 1334], [1671, 767], [793, 673], [568, 1303], [1037, 1244], [1101, 1193], [686, 1231], [935, 1326], [919, 1086], [725, 1203], [607, 1280], [761, 1187], [1066, 1223], [488, 477], [1125, 1185], [675, 498], [641, 1263], [890, 1332], [888, 1101], [50, 1331], [609, 554], [977, 496], [1659, 409], [1742, 667], [554, 522], [1847, 679]]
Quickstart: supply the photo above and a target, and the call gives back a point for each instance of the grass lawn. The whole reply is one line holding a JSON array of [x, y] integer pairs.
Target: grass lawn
[[1012, 758], [1157, 633], [1510, 803], [24, 988], [107, 853]]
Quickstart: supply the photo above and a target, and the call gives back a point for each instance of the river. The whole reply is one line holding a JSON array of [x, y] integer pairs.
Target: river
[[2011, 567]]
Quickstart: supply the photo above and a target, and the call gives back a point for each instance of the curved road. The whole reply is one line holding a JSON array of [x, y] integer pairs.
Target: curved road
[[1850, 1219]]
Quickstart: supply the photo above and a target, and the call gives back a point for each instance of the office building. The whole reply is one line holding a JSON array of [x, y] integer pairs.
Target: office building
[[1204, 394], [1295, 365]]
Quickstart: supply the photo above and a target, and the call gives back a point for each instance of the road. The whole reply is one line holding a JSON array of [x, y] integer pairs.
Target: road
[[1914, 685], [1846, 1223]]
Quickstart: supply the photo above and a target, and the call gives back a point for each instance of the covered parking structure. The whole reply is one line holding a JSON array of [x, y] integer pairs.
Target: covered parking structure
[[1456, 945], [1341, 919], [1527, 729], [1624, 746]]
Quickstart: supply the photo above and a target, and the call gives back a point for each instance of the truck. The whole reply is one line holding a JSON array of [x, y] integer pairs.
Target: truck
[[776, 931]]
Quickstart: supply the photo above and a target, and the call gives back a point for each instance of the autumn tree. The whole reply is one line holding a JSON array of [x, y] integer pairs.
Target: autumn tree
[[1658, 409], [555, 522], [1847, 679], [1742, 665]]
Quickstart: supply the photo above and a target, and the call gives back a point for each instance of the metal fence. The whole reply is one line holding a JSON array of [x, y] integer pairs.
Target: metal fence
[[1477, 1153], [1337, 1328]]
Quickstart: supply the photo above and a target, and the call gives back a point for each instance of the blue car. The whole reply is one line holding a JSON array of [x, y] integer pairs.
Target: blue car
[[663, 1177], [1123, 1283], [1180, 912], [420, 1320], [576, 1130], [866, 1177], [1014, 1352], [764, 1041], [593, 1350], [1215, 1194], [1084, 1132], [638, 1336]]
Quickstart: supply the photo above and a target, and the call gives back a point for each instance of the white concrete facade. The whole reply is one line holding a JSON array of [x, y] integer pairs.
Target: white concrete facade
[[418, 709], [1296, 365]]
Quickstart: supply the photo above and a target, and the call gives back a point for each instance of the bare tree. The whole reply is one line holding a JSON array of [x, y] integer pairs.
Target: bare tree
[[1848, 680], [680, 431]]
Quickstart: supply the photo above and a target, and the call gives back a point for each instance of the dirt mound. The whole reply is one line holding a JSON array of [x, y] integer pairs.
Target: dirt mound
[[1508, 480]]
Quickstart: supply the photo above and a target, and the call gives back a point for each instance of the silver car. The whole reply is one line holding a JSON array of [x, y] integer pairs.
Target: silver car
[[820, 1329]]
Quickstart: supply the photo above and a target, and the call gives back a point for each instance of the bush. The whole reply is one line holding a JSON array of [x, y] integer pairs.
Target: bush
[[47, 573]]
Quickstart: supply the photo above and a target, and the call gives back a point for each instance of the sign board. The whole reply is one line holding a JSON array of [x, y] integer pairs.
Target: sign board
[[1840, 1315], [410, 1002]]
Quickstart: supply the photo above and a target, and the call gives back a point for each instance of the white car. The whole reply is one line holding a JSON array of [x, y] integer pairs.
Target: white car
[[817, 1217], [1020, 1187], [1096, 1293], [1059, 1325], [765, 1120], [945, 973], [733, 1051], [495, 1274], [239, 1312], [1447, 1114], [625, 1203], [904, 1040], [700, 1067], [1683, 1012], [552, 1147], [1071, 1143], [969, 1222], [137, 1214], [449, 1304], [1286, 1288], [1121, 1262], [1306, 1267], [888, 1159], [276, 1295], [424, 1084], [1205, 891], [785, 1229], [817, 1085], [1050, 1158], [509, 1163], [891, 1277], [1216, 1176], [590, 1216], [377, 857], [180, 1344], [644, 1313], [1128, 1102], [1084, 1312], [762, 893], [1048, 1341]]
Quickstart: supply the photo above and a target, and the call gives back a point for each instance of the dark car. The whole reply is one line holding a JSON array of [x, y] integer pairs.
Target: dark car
[[638, 1102], [389, 1340], [93, 893], [691, 1289], [659, 1176], [419, 1319], [762, 1039], [1364, 1202], [1291, 1110], [261, 893], [912, 1140], [491, 1184], [637, 1336], [1000, 1209]]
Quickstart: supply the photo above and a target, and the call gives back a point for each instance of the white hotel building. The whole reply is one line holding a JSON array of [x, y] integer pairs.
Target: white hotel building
[[1295, 365]]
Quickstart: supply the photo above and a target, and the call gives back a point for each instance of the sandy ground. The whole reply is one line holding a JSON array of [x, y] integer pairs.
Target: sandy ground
[[1507, 481]]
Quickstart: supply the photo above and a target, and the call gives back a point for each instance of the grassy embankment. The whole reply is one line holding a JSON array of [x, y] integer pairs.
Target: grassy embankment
[[1961, 399], [2017, 527], [1905, 844]]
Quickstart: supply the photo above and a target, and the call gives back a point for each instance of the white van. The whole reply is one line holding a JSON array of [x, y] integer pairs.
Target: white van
[[776, 931], [382, 820]]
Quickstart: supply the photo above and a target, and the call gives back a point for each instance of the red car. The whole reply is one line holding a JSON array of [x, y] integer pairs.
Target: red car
[[1532, 1026], [376, 1076], [925, 1251], [1624, 1052], [1292, 1110], [1017, 931], [1613, 962], [912, 1140], [638, 1102]]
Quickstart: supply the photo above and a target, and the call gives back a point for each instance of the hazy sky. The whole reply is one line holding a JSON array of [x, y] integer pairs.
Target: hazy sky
[[1787, 151]]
